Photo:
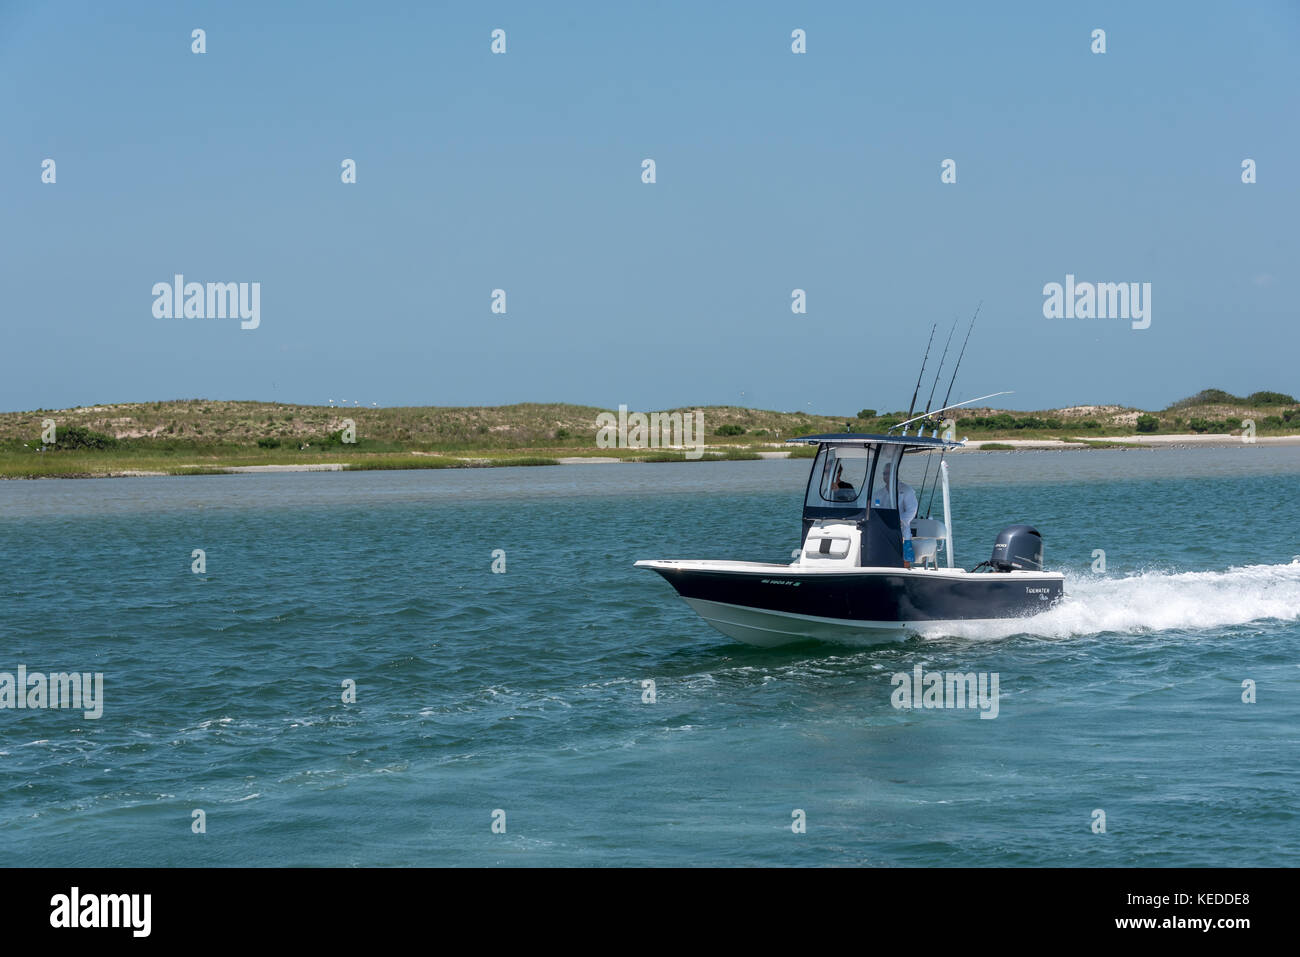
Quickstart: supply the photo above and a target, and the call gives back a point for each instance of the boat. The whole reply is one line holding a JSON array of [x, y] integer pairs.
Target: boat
[[856, 578]]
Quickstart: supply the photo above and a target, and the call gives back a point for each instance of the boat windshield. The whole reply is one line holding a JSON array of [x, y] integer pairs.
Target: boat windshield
[[839, 477]]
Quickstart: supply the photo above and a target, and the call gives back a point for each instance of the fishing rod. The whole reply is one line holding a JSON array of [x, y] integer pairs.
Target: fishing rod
[[951, 382], [934, 488], [939, 371], [912, 408], [969, 329], [930, 401], [955, 405]]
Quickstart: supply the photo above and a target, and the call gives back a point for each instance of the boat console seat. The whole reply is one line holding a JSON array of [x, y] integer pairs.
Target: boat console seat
[[926, 535], [834, 543]]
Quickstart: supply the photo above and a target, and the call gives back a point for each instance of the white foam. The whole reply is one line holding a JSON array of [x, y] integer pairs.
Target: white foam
[[1153, 601]]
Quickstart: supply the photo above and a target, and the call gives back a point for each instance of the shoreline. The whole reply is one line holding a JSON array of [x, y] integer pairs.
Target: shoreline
[[1190, 440], [1143, 442]]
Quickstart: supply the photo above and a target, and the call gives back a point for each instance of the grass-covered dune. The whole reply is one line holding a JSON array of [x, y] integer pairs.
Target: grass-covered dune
[[204, 435], [1211, 410], [571, 428]]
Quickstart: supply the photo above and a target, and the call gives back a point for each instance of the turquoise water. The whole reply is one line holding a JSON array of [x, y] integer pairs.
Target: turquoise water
[[522, 691]]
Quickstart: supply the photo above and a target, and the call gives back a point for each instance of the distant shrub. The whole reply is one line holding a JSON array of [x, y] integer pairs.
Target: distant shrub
[[887, 423], [729, 430], [1219, 397], [1208, 397], [77, 437], [268, 443], [1147, 423], [1005, 421], [1000, 421], [867, 414], [1273, 421], [561, 433], [1232, 422], [1270, 398]]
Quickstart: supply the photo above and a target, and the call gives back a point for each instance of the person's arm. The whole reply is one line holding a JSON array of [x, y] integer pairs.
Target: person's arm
[[908, 508]]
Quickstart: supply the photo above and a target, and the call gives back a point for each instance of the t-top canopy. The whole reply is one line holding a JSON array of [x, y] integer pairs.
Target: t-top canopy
[[862, 438]]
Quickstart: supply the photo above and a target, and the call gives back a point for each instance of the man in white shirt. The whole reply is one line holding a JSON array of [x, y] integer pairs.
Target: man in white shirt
[[907, 509]]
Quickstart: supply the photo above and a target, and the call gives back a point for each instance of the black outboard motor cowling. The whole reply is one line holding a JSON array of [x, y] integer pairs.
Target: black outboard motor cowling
[[1018, 547]]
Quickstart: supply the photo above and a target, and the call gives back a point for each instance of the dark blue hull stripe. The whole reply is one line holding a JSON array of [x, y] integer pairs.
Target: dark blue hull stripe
[[882, 597]]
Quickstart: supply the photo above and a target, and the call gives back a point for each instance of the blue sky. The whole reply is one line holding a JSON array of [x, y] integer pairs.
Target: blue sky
[[522, 171]]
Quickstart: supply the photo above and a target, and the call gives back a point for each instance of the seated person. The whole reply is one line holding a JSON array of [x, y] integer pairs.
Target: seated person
[[842, 491]]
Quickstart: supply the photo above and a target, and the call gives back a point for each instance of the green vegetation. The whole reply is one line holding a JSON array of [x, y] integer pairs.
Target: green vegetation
[[1219, 397], [1269, 398], [201, 436], [1006, 422], [76, 437], [666, 456]]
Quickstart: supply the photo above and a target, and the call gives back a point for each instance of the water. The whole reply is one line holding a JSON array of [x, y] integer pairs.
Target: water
[[523, 691]]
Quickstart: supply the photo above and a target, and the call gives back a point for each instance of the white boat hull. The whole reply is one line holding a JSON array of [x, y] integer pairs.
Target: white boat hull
[[772, 629]]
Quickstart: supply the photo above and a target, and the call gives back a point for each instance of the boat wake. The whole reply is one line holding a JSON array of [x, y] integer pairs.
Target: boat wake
[[1151, 601]]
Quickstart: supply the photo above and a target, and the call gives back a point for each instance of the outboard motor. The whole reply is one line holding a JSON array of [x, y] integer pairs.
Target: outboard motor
[[1018, 547]]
